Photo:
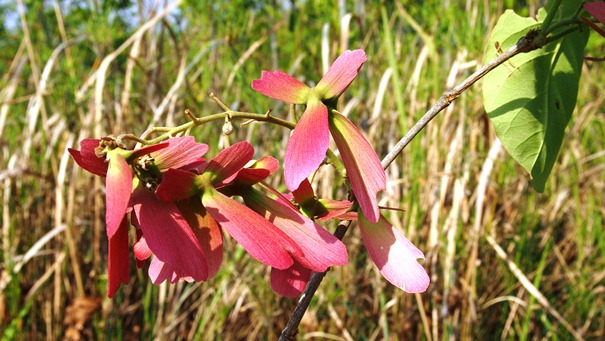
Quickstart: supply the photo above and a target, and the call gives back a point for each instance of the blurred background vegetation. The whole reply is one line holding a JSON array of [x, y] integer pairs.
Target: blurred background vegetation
[[505, 262]]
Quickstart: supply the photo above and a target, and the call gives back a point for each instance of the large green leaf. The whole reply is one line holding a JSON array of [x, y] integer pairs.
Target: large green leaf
[[531, 97]]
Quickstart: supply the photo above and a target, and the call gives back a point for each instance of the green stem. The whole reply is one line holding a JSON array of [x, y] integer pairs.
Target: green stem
[[574, 20], [561, 34], [550, 16], [170, 132]]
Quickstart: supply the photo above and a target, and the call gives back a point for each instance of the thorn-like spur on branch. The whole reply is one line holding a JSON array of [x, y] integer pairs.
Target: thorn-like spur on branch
[[192, 117], [533, 40], [218, 101]]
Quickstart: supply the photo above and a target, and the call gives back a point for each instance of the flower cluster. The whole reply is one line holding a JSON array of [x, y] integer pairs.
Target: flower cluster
[[177, 204]]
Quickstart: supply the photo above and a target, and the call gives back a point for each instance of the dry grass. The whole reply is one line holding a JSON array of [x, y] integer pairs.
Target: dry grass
[[505, 262]]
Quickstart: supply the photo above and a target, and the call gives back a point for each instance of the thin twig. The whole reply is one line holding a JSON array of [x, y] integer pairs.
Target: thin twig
[[530, 42], [291, 329]]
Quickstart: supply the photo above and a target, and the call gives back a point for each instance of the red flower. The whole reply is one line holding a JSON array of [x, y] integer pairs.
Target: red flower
[[258, 236], [310, 139], [166, 231], [320, 248]]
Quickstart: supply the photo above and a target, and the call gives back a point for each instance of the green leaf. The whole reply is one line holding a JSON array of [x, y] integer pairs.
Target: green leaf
[[531, 97]]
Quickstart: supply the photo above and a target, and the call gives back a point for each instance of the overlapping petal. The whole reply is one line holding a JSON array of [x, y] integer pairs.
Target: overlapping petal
[[118, 187], [320, 248], [229, 161], [363, 167], [259, 237], [160, 271], [117, 259], [177, 184], [180, 152], [87, 159], [307, 147], [207, 231], [341, 73], [282, 86], [168, 235], [257, 172], [394, 255], [290, 282]]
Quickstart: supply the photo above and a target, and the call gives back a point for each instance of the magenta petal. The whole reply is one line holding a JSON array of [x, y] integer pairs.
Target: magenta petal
[[337, 209], [159, 271], [229, 161], [181, 151], [168, 235], [88, 147], [147, 150], [207, 231], [282, 86], [258, 172], [304, 194], [118, 187], [363, 167], [342, 72], [394, 255], [290, 282], [117, 259], [88, 159], [307, 147], [320, 248], [141, 250], [177, 184], [259, 237]]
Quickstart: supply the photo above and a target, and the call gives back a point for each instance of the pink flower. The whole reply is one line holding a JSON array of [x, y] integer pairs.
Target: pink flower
[[310, 139], [320, 248], [106, 159], [166, 231], [258, 236]]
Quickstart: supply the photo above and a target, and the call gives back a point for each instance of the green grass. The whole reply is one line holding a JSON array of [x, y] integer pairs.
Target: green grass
[[556, 239]]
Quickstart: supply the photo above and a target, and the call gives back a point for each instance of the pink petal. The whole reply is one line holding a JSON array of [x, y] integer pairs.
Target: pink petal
[[88, 159], [304, 194], [88, 147], [342, 72], [229, 161], [597, 10], [177, 184], [168, 234], [320, 248], [290, 282], [394, 255], [258, 172], [147, 150], [363, 167], [207, 231], [181, 151], [282, 86], [118, 187], [259, 237], [335, 209], [141, 249], [117, 259], [160, 271], [307, 147]]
